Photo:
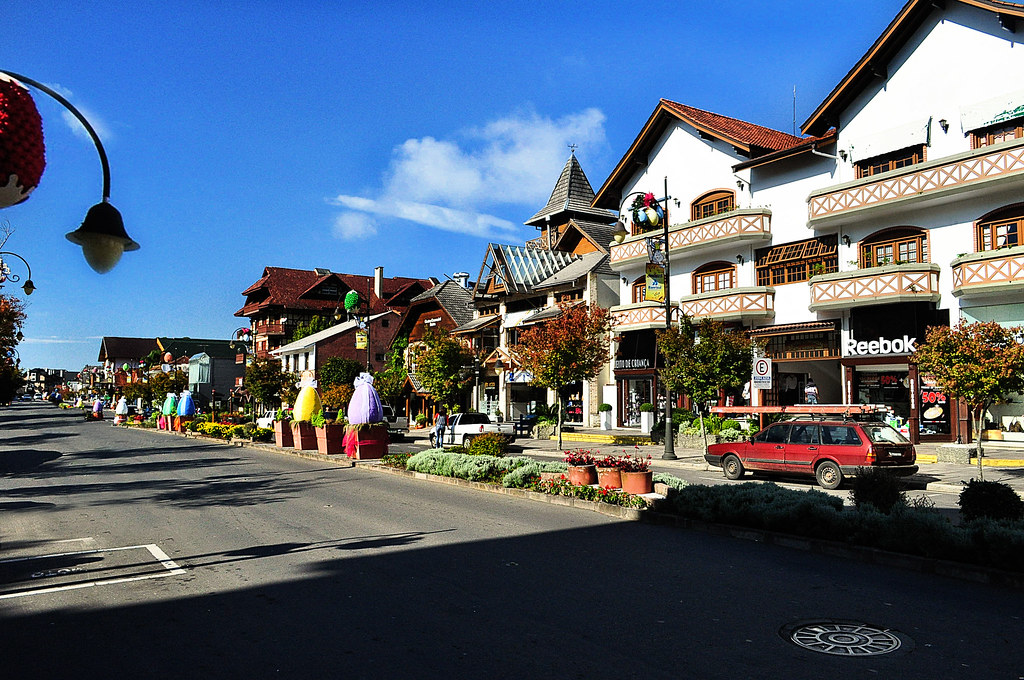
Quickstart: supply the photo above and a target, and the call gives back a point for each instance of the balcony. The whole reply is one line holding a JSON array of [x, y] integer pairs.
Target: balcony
[[989, 274], [737, 226], [638, 316], [991, 168], [269, 329], [731, 304], [918, 282]]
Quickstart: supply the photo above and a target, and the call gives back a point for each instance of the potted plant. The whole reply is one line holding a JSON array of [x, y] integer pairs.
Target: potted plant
[[282, 429], [608, 474], [637, 477], [421, 420], [329, 434], [582, 470], [366, 440], [646, 418], [606, 416]]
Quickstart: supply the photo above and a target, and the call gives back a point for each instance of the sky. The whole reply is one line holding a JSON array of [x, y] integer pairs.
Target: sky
[[350, 135]]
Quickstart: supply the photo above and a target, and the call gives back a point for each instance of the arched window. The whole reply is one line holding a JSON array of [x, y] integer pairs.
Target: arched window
[[639, 289], [897, 245], [1000, 228], [713, 203], [714, 276]]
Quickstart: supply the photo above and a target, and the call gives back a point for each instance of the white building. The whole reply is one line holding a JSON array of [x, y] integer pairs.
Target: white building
[[900, 208]]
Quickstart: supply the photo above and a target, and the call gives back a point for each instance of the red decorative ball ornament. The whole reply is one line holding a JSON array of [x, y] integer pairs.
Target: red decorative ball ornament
[[22, 153]]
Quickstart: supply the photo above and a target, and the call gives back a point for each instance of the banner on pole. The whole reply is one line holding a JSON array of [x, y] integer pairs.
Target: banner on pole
[[655, 290]]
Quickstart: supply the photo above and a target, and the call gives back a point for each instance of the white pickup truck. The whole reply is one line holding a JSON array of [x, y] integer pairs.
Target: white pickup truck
[[463, 427]]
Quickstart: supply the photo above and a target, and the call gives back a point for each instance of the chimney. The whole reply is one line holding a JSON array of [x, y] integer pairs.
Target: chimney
[[461, 278], [378, 282]]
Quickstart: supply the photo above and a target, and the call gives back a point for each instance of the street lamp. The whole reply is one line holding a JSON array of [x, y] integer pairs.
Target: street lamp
[[620, 235], [244, 336], [102, 234], [6, 274]]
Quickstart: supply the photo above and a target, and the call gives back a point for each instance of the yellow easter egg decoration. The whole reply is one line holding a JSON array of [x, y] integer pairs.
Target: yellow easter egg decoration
[[306, 404]]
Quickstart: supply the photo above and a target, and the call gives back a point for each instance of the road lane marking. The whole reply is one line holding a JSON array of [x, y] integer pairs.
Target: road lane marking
[[171, 568]]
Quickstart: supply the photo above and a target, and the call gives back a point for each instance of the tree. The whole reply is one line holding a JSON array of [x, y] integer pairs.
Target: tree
[[390, 381], [440, 366], [11, 380], [266, 382], [316, 324], [701, 360], [173, 381], [981, 363], [338, 371], [12, 319], [571, 347]]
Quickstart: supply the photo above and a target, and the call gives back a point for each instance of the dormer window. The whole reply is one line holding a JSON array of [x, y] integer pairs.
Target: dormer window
[[1001, 132], [329, 290], [893, 160], [713, 203]]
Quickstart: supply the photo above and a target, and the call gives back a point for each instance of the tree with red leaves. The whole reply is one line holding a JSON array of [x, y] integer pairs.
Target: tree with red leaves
[[981, 363], [570, 347]]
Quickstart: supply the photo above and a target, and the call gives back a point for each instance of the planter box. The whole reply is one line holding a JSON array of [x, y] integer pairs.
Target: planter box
[[329, 439], [646, 421], [543, 431], [369, 443], [992, 435], [606, 420], [283, 433], [1013, 436], [955, 453], [303, 436]]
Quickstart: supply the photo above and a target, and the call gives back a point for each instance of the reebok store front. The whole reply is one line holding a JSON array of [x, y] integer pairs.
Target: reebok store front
[[877, 369]]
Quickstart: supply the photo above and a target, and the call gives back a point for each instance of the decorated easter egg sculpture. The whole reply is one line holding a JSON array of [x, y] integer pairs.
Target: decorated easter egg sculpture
[[170, 405], [307, 403], [364, 406], [22, 154], [122, 407], [186, 405]]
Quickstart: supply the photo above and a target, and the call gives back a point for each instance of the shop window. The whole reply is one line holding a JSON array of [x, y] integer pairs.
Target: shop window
[[894, 246], [890, 161], [714, 276], [639, 289], [713, 203], [1001, 132], [795, 262], [1000, 229]]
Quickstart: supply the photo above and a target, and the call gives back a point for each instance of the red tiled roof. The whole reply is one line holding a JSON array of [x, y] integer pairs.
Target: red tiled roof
[[288, 288], [735, 129]]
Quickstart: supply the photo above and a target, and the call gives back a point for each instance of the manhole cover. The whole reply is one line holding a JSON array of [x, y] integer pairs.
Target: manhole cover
[[842, 638]]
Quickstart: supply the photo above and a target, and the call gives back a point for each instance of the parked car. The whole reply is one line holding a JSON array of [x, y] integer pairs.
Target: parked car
[[398, 426], [266, 420], [462, 428], [828, 450]]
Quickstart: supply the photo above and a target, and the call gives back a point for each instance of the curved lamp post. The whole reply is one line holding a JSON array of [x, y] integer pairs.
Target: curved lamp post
[[7, 275], [102, 234], [620, 235]]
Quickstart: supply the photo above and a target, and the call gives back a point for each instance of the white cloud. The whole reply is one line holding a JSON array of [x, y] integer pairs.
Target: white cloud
[[98, 124], [350, 226], [55, 341], [453, 184]]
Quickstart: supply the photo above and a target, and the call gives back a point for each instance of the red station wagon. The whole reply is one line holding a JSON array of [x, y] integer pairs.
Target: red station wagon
[[828, 450]]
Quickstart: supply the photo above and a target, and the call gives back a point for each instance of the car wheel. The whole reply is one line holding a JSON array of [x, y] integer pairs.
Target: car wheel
[[432, 444], [732, 468], [829, 475]]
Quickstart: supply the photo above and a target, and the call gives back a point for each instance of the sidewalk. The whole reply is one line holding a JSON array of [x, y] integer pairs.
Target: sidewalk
[[1003, 461]]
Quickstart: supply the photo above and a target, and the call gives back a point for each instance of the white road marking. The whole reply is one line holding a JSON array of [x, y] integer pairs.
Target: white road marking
[[172, 569]]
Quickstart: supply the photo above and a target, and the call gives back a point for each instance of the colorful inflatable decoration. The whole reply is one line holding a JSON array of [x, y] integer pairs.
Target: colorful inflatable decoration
[[22, 152], [170, 404], [121, 411], [364, 406], [351, 300], [186, 405], [307, 403]]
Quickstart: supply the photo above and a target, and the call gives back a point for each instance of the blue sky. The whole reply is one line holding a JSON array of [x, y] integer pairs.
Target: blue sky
[[356, 134]]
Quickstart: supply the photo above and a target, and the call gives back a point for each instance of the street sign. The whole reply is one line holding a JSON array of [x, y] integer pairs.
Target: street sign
[[761, 377]]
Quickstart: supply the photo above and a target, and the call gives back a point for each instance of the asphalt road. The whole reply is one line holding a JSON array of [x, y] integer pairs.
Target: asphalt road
[[126, 553]]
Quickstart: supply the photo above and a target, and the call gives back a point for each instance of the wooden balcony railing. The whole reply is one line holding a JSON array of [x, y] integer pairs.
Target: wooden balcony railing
[[996, 167], [992, 272], [731, 304], [875, 286], [751, 224]]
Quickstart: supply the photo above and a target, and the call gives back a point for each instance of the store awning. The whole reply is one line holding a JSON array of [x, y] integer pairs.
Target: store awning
[[793, 328], [477, 324], [544, 315]]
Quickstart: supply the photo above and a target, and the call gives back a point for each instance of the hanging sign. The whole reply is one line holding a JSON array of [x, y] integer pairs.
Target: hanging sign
[[655, 290], [361, 339]]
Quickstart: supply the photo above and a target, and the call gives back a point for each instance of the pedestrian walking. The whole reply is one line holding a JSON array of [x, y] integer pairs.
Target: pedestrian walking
[[440, 422], [811, 392]]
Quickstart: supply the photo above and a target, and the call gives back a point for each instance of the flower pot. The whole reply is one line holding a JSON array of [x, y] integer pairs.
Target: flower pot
[[646, 421], [606, 420], [365, 443], [583, 474], [329, 439], [303, 436], [609, 478], [283, 433], [637, 482]]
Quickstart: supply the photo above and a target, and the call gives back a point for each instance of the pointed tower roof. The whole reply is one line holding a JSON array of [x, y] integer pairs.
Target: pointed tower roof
[[571, 198]]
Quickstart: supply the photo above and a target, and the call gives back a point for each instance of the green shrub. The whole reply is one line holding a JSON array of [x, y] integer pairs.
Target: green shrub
[[729, 424], [395, 460], [490, 444], [992, 500], [646, 407], [671, 481], [604, 408], [421, 419], [237, 431], [214, 430], [263, 434], [879, 488]]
